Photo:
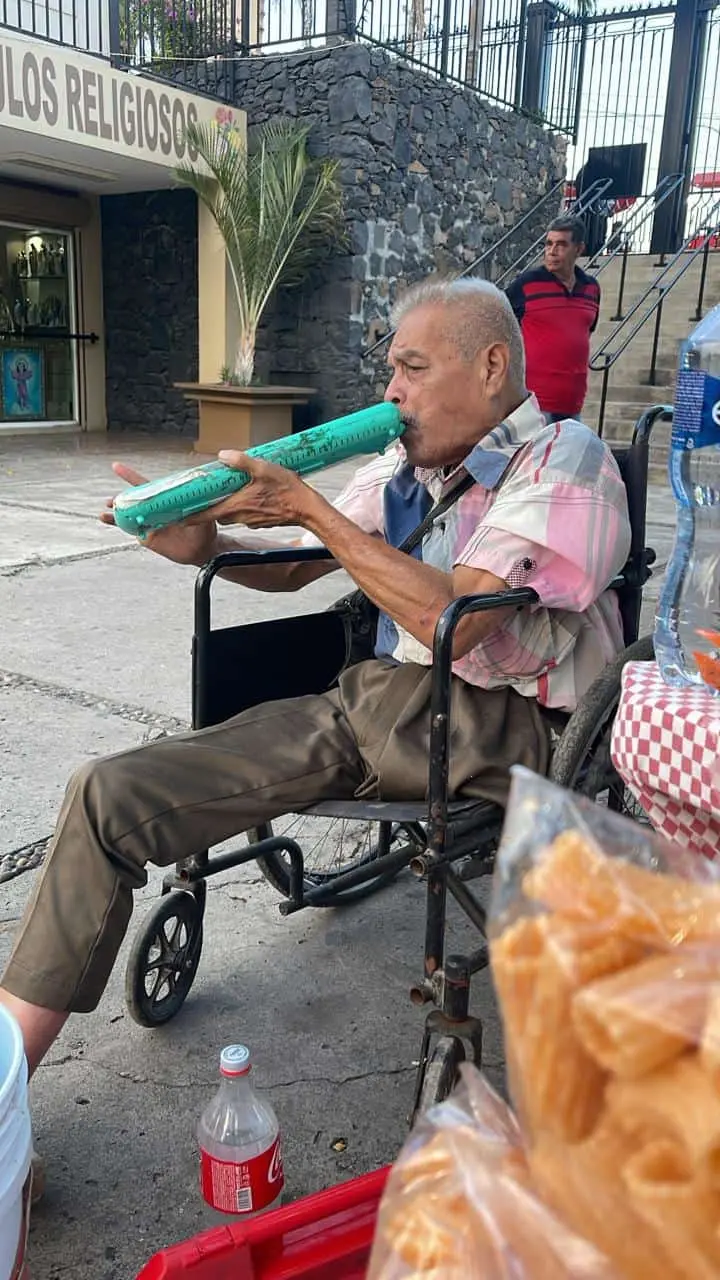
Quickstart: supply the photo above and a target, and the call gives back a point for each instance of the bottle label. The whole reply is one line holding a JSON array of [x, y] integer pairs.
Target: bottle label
[[696, 415], [242, 1188]]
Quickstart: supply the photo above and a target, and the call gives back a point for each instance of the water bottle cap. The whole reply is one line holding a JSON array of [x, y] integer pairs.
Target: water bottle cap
[[235, 1060]]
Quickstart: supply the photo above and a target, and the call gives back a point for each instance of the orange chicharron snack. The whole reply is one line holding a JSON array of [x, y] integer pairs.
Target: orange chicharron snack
[[636, 955], [580, 882], [608, 980], [646, 1015]]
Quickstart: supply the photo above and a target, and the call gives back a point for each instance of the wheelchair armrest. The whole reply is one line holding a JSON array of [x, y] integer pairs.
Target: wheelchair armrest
[[647, 420], [450, 617], [440, 691], [241, 559]]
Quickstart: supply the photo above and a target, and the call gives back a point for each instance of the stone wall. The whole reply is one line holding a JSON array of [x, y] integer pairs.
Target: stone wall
[[150, 288], [432, 175]]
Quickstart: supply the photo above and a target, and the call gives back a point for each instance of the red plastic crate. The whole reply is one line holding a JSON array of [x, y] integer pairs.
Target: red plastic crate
[[327, 1236]]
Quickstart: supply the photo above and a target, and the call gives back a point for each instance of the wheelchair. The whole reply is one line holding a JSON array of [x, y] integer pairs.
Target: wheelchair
[[354, 848]]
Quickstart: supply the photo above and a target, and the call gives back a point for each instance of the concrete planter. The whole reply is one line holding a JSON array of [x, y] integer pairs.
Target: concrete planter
[[238, 417]]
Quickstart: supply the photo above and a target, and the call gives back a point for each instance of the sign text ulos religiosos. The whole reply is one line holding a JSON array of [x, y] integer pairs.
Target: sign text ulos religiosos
[[90, 102]]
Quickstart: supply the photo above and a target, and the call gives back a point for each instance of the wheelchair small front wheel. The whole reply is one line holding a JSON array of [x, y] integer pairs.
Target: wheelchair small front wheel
[[164, 959], [441, 1073]]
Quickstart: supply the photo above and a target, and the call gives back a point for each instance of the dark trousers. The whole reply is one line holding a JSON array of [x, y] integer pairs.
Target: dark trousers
[[169, 799]]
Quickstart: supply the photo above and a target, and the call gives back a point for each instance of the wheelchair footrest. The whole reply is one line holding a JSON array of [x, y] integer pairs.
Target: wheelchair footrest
[[192, 873]]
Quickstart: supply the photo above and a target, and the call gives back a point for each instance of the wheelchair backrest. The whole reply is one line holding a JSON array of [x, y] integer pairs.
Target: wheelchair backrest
[[633, 465]]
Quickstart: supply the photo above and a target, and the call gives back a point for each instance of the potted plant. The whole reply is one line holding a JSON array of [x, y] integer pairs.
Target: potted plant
[[277, 210]]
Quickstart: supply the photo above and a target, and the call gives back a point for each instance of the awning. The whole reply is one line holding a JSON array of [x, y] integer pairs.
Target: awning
[[70, 119]]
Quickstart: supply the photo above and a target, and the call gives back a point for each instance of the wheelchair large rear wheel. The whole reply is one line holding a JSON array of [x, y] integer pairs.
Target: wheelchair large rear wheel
[[581, 760], [332, 846]]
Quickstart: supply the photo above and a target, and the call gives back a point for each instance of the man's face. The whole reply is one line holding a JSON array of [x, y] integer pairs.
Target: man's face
[[443, 399], [561, 253]]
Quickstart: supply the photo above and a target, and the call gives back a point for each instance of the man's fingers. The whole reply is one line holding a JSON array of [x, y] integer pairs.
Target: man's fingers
[[128, 473], [130, 476], [239, 461]]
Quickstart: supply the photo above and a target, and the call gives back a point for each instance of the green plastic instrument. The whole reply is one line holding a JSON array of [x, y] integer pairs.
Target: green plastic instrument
[[182, 494]]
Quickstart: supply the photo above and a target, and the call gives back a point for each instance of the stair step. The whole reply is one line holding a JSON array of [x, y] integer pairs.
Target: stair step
[[641, 393], [667, 347], [621, 433], [620, 421], [625, 413]]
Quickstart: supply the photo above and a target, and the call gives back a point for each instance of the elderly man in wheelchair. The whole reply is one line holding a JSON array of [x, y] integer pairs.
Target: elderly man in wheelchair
[[493, 623]]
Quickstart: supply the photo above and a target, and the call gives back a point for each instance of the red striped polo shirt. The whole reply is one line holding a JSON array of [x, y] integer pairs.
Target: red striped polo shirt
[[556, 324]]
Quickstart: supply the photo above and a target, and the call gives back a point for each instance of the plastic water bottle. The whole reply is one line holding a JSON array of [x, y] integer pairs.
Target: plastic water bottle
[[241, 1170], [687, 625]]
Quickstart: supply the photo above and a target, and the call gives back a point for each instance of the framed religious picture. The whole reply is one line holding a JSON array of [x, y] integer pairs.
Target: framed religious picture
[[23, 384]]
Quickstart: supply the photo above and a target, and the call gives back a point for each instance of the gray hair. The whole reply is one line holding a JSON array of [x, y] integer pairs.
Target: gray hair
[[570, 222], [481, 315]]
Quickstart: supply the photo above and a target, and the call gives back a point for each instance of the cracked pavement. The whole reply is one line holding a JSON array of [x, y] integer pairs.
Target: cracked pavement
[[95, 657]]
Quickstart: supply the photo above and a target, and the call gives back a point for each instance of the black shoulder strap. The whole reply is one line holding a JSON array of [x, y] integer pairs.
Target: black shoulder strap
[[415, 538]]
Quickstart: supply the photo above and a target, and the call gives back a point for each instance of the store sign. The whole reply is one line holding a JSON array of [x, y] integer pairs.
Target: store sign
[[83, 100]]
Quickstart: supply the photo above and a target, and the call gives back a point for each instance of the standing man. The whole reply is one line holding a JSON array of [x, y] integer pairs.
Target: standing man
[[557, 306]]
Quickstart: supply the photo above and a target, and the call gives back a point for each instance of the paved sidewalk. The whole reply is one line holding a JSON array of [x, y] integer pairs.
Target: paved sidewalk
[[94, 656]]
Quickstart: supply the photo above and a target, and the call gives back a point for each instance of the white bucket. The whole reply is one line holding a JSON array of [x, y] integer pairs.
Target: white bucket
[[15, 1143]]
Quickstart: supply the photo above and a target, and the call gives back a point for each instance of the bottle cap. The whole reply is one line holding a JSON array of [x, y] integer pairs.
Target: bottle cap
[[235, 1060]]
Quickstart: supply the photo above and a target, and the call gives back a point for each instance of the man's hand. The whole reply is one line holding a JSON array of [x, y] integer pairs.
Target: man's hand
[[182, 543], [260, 504], [275, 496]]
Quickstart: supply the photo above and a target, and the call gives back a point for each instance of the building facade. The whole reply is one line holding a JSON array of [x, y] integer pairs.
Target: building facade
[[110, 276], [113, 281]]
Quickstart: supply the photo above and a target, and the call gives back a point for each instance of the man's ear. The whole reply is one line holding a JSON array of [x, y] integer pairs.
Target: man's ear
[[497, 361]]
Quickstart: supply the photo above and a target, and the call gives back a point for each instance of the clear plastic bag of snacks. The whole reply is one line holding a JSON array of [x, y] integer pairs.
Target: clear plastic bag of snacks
[[605, 950], [459, 1204]]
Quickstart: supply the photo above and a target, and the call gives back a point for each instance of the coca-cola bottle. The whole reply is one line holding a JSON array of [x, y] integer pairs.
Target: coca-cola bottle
[[241, 1170]]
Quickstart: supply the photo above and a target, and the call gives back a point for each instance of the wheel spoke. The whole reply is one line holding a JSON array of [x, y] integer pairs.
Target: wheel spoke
[[172, 941], [599, 780], [332, 846], [157, 987]]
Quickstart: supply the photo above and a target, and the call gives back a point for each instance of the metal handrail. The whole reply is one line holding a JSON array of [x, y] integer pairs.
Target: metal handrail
[[579, 206], [513, 230], [647, 208], [603, 359]]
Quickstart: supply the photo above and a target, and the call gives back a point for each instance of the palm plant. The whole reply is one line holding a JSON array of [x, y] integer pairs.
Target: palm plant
[[276, 209]]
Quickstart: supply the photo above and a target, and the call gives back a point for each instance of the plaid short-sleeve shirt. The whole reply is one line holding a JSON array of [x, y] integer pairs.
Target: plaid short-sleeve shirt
[[557, 522]]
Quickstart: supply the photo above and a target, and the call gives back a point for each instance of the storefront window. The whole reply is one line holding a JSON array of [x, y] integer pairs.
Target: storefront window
[[37, 355]]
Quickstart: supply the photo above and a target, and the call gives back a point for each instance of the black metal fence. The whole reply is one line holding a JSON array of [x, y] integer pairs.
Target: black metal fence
[[81, 24], [504, 49], [625, 82], [704, 166], [650, 77], [470, 42], [191, 42], [631, 76]]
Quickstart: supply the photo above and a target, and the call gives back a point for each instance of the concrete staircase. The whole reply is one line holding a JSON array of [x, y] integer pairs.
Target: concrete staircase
[[629, 392]]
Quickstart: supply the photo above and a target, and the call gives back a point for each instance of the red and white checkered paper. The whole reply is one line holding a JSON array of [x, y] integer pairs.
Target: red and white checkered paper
[[665, 748]]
